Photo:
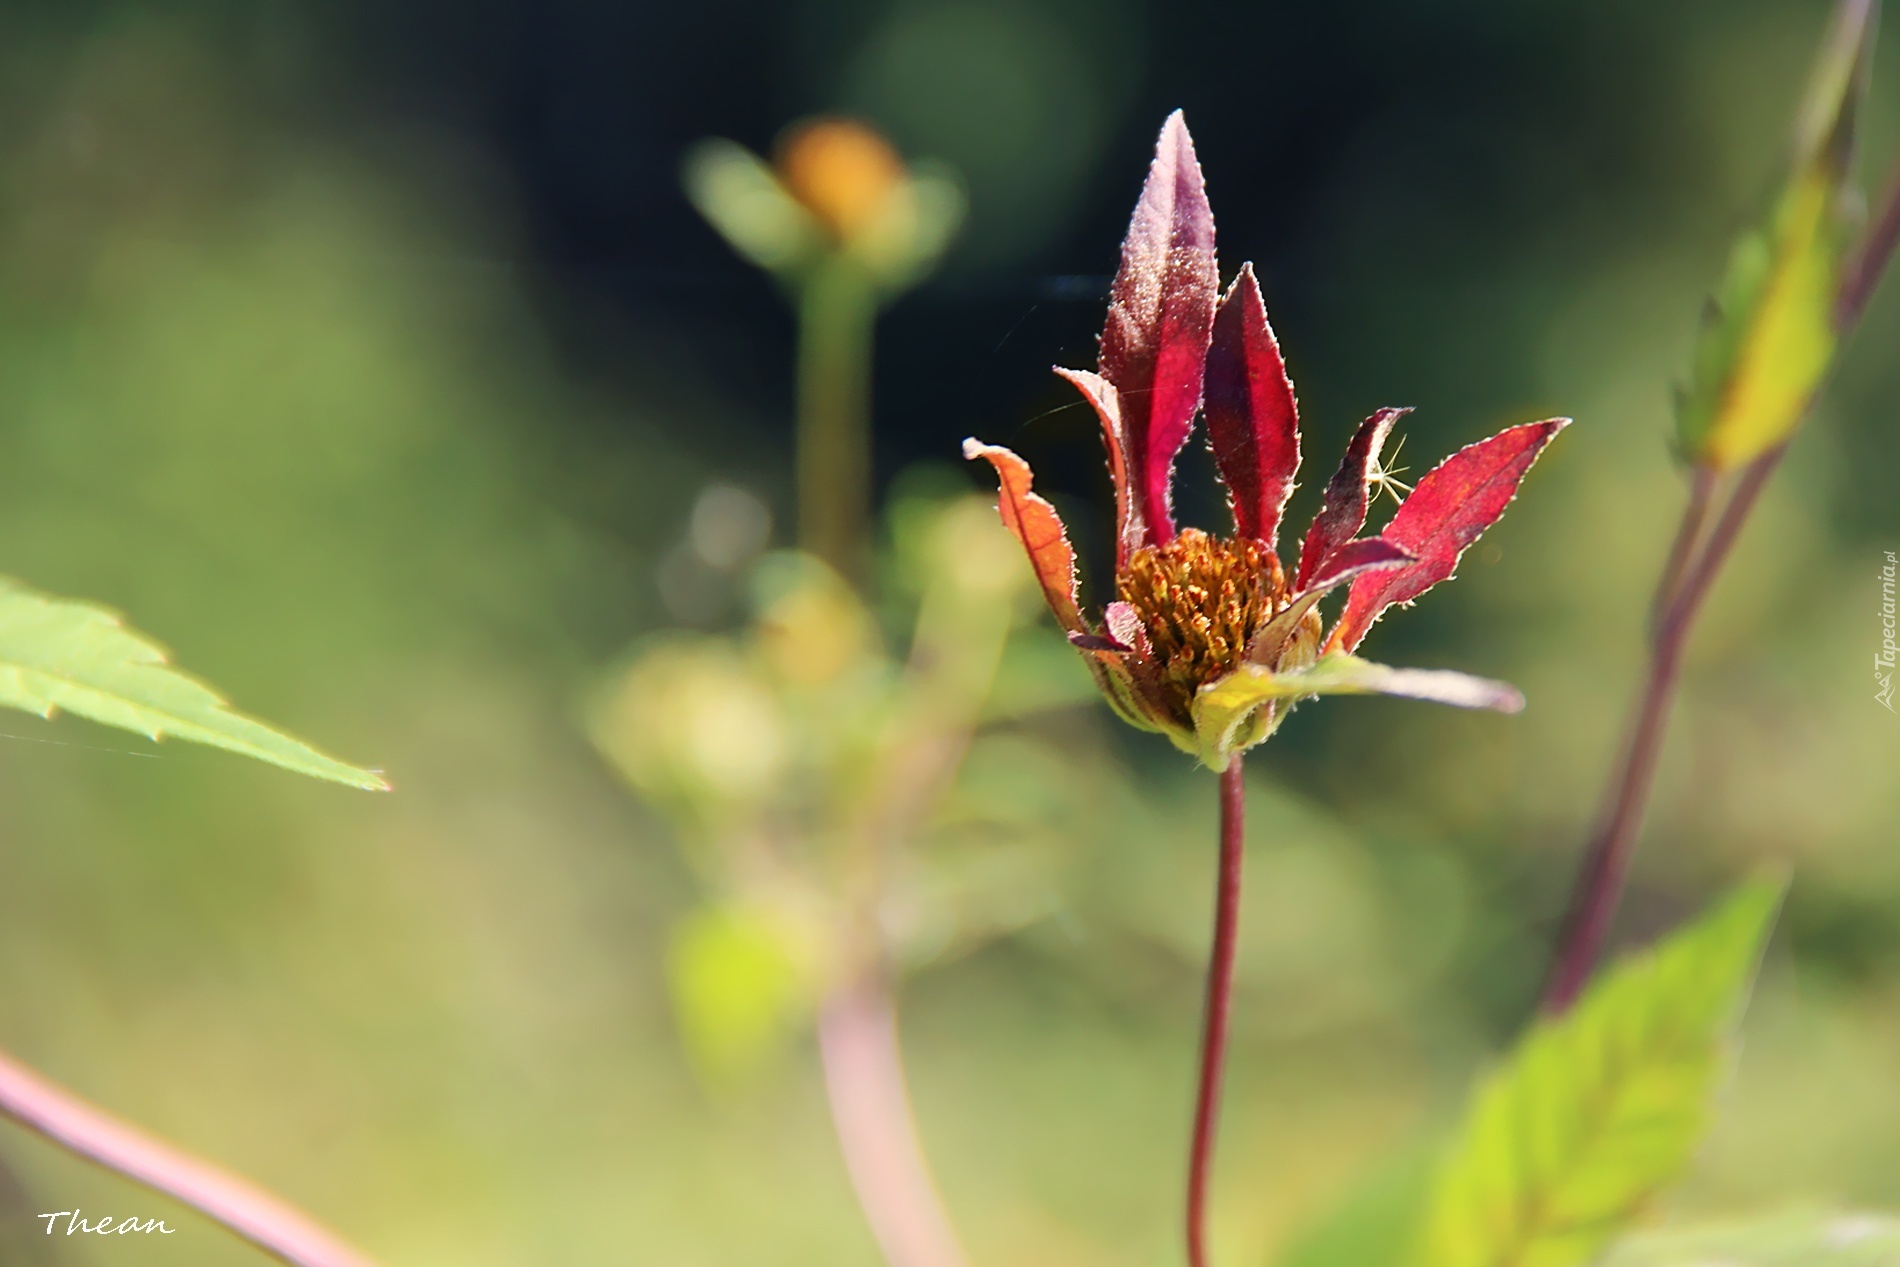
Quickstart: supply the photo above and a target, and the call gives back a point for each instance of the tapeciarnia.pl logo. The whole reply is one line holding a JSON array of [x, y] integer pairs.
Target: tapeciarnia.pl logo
[[1883, 659]]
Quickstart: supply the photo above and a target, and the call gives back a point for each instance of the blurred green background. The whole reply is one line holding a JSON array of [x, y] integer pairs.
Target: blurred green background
[[369, 356]]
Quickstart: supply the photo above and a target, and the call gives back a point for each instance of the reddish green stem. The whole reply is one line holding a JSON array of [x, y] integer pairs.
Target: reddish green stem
[[1869, 262], [1684, 586], [1686, 580], [1695, 517], [1220, 992], [267, 1222]]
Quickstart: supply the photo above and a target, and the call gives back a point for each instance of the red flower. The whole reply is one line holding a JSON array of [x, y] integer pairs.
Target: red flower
[[1209, 640]]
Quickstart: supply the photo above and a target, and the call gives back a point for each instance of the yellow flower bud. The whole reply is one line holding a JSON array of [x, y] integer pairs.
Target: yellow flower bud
[[842, 172]]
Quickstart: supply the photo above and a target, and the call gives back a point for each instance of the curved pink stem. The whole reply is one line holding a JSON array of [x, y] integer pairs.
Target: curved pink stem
[[864, 1079], [274, 1226]]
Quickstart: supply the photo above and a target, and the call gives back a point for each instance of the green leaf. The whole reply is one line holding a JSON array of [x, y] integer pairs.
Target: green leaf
[[741, 980], [1224, 709], [57, 654], [1796, 1239], [1768, 336], [1597, 1110]]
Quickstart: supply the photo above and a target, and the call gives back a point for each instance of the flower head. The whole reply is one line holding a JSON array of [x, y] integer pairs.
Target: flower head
[[843, 173], [1212, 640], [838, 197]]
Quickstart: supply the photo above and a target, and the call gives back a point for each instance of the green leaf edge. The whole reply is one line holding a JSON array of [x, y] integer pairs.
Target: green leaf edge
[[48, 680], [1641, 993]]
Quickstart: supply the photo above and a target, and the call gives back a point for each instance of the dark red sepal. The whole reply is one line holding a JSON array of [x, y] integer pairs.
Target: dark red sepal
[[1253, 419]]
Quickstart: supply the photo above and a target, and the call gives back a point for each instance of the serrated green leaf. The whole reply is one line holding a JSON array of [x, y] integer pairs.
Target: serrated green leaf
[[1768, 337], [1597, 1110], [1796, 1239], [58, 654]]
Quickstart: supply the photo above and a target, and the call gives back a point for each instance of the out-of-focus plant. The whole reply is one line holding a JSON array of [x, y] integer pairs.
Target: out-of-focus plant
[[1794, 291], [1603, 1101], [815, 778], [801, 761], [59, 654], [844, 226], [1598, 1109], [1208, 641]]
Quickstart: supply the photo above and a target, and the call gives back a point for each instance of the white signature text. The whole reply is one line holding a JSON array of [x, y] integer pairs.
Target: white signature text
[[105, 1226]]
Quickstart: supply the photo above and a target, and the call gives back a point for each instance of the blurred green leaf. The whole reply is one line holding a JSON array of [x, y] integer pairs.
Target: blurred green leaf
[[742, 198], [1597, 1110], [57, 654], [1768, 336], [1800, 1239], [739, 985]]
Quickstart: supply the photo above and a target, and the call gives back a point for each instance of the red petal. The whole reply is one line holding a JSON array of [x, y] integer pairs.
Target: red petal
[[1342, 512], [1450, 509], [1101, 393], [1253, 421], [1154, 347], [1038, 527]]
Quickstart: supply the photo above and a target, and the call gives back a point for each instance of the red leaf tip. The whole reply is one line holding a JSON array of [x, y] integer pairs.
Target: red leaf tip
[[1160, 318], [1252, 416], [1449, 510]]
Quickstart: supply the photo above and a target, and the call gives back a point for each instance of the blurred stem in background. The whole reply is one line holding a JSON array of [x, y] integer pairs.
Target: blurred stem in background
[[836, 310], [1795, 290], [845, 226]]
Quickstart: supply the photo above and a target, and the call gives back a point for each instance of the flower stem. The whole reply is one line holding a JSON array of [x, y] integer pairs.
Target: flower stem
[[836, 311], [870, 1107], [1220, 991], [1695, 517], [267, 1222], [1684, 585], [1686, 580]]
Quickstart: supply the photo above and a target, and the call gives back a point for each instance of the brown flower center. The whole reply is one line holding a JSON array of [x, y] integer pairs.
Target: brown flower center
[[1202, 600]]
